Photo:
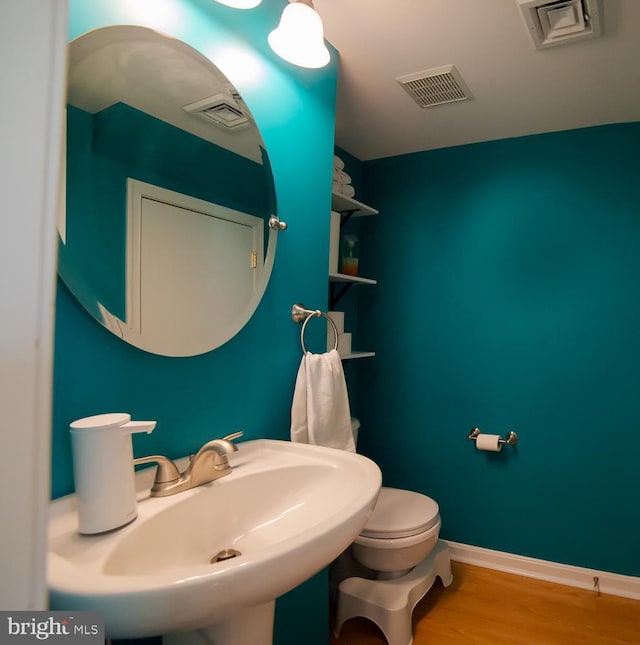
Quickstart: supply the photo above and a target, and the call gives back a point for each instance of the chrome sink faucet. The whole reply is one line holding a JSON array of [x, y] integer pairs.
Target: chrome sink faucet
[[208, 464]]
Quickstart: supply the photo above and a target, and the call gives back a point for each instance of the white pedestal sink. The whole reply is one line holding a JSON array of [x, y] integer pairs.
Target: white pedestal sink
[[287, 509]]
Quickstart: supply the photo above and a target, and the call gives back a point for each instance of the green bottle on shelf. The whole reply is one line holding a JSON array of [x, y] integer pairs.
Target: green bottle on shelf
[[350, 253]]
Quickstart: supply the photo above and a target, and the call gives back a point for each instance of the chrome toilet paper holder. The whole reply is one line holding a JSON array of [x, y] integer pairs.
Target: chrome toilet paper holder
[[511, 439]]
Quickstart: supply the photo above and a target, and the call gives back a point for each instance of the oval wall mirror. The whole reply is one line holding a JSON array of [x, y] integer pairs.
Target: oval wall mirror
[[165, 236]]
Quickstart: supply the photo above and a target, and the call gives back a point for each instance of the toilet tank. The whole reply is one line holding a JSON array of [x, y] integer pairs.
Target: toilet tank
[[355, 427]]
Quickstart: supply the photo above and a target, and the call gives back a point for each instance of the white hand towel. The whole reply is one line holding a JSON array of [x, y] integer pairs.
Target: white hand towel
[[341, 177], [347, 190], [338, 164], [320, 413]]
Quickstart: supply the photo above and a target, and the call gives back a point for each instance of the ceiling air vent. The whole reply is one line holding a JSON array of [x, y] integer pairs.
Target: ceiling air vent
[[435, 86], [560, 22], [222, 109]]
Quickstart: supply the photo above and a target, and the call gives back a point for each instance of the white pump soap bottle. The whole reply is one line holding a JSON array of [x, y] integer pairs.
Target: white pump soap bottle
[[103, 470]]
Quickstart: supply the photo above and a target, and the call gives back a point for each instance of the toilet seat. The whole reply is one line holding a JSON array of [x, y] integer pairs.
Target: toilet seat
[[401, 513]]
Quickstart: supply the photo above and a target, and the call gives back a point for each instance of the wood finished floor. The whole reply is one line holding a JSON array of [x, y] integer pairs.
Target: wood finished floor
[[483, 606]]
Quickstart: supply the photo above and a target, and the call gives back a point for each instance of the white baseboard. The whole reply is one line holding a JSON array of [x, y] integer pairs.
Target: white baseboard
[[564, 574]]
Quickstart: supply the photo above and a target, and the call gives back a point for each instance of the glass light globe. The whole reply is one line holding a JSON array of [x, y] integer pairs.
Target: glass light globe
[[299, 38], [240, 4]]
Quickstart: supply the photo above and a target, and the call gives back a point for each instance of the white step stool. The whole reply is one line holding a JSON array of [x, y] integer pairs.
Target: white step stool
[[390, 603]]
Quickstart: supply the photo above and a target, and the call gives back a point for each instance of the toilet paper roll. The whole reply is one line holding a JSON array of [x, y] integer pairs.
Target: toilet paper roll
[[344, 344], [338, 319], [488, 442]]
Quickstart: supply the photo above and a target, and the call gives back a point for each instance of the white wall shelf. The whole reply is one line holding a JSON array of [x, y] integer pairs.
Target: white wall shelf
[[348, 205], [357, 355], [339, 283], [343, 277]]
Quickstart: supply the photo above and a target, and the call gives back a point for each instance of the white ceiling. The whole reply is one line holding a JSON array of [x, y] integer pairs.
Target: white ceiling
[[517, 89]]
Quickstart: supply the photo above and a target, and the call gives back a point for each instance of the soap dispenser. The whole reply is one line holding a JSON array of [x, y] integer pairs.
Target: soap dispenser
[[103, 470]]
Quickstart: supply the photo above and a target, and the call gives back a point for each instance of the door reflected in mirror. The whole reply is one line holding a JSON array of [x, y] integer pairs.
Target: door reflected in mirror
[[165, 240]]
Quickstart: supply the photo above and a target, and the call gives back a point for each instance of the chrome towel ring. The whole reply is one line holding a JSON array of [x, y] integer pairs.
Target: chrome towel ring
[[300, 314]]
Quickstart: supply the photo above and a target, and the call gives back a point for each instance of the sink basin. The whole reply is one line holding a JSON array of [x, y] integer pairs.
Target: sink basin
[[194, 559]]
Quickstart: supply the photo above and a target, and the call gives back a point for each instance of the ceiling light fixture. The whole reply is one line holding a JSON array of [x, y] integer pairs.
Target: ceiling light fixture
[[240, 4], [299, 38]]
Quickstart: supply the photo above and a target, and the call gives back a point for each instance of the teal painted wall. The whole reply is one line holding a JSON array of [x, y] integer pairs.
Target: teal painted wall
[[248, 382], [508, 298]]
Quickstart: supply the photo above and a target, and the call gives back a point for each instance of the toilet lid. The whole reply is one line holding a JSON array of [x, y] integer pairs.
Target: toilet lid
[[401, 513]]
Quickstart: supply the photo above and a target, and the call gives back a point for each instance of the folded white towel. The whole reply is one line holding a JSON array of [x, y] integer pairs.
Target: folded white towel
[[347, 190], [320, 413], [341, 177], [338, 164]]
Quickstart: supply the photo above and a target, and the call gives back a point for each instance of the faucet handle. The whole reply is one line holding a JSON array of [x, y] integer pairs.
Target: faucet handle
[[233, 435], [166, 472]]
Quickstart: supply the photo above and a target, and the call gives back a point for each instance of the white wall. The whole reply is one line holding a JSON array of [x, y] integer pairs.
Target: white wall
[[32, 64]]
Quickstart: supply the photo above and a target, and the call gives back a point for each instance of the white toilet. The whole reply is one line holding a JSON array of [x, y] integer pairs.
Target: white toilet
[[392, 563], [401, 532]]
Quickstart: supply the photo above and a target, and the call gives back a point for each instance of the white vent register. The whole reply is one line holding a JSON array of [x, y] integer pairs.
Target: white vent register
[[224, 110], [561, 21], [436, 86]]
